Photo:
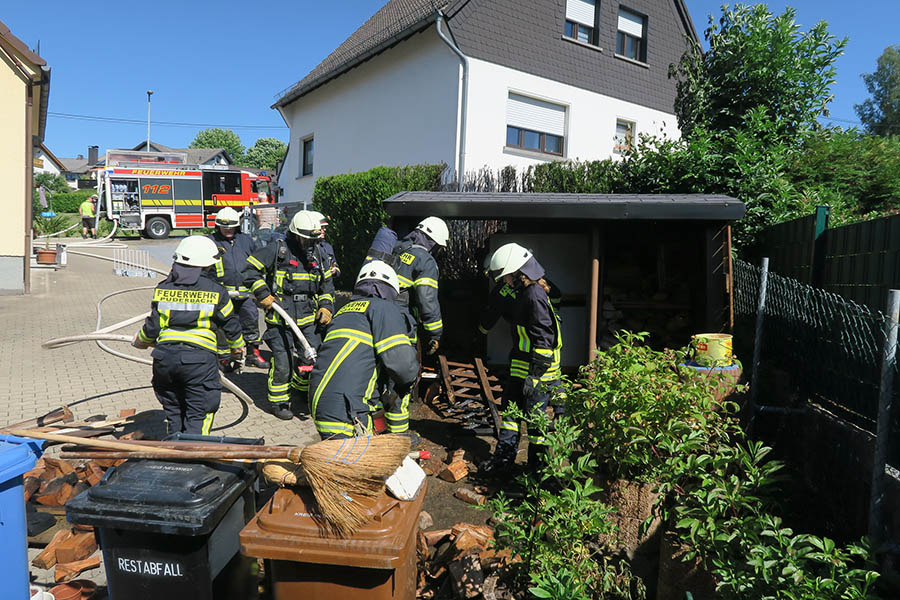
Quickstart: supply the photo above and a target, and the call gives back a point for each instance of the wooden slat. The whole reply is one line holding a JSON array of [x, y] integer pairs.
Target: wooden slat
[[445, 376], [488, 395]]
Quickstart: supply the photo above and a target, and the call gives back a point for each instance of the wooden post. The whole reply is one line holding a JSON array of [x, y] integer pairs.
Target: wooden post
[[729, 281], [713, 247], [593, 304]]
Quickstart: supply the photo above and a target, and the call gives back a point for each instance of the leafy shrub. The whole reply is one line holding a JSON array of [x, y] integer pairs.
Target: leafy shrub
[[65, 202], [553, 532], [637, 408], [726, 512], [353, 203]]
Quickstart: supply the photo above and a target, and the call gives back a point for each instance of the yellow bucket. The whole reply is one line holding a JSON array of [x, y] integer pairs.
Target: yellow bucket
[[712, 349]]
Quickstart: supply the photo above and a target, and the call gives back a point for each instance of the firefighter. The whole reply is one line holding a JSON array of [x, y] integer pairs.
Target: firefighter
[[325, 249], [235, 247], [287, 271], [501, 302], [367, 340], [417, 272], [188, 308], [534, 367]]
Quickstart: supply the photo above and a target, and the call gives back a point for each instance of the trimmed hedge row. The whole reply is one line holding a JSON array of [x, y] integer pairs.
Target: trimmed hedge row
[[67, 202], [353, 203]]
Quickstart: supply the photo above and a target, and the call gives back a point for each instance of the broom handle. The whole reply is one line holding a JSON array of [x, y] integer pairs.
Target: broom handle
[[292, 454], [70, 439], [149, 446]]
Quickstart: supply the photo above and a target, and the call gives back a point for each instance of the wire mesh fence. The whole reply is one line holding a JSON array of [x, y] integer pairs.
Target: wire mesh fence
[[831, 346]]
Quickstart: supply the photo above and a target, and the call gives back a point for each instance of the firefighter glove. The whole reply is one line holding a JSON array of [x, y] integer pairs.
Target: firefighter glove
[[529, 389], [238, 354], [539, 364], [267, 302], [323, 316], [137, 343], [433, 347]]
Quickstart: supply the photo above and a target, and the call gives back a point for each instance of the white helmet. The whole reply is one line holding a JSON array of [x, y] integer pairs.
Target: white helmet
[[306, 225], [228, 217], [196, 251], [507, 259], [436, 229], [379, 271]]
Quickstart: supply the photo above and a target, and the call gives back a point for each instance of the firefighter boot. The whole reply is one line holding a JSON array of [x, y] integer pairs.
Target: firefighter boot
[[255, 359]]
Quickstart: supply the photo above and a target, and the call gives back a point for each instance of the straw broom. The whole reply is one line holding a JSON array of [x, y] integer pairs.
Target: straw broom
[[334, 469]]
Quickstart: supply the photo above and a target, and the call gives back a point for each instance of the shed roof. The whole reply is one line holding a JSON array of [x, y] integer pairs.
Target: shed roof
[[504, 205]]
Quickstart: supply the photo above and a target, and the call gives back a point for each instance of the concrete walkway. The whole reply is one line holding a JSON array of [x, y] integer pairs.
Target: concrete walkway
[[90, 381]]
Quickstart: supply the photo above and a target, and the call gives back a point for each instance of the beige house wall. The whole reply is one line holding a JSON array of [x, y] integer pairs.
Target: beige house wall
[[12, 162]]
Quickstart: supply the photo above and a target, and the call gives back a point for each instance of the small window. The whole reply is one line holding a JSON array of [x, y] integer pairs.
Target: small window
[[581, 20], [227, 183], [535, 125], [306, 167], [624, 136], [631, 39]]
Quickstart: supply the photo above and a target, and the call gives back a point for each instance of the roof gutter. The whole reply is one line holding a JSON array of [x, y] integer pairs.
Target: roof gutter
[[464, 101]]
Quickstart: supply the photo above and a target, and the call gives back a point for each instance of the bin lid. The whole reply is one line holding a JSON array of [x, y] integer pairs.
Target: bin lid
[[160, 496], [17, 456], [289, 528]]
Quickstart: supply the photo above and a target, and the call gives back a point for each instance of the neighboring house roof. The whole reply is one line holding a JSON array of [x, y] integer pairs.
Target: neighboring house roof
[[399, 19], [52, 157], [41, 65], [75, 165], [503, 205], [195, 156]]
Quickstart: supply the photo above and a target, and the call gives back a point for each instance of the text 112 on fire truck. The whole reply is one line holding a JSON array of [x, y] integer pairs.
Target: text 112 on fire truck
[[155, 192]]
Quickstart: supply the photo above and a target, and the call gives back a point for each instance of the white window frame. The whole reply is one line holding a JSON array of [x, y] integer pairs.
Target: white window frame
[[617, 147], [628, 31], [530, 151]]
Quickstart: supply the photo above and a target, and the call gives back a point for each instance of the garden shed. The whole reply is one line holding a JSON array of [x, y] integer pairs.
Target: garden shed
[[642, 262]]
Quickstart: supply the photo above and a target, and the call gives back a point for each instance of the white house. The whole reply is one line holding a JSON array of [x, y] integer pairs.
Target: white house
[[485, 83], [44, 161]]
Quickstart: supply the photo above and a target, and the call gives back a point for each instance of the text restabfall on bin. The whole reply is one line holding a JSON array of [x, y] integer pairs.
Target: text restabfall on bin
[[146, 567]]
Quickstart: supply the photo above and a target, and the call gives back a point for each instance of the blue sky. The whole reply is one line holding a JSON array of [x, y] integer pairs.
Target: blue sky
[[223, 63]]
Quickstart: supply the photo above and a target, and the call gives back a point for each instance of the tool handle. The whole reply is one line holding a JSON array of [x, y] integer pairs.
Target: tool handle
[[70, 439]]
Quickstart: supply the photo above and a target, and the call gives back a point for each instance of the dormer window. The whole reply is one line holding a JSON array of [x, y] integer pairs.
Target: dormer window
[[581, 20]]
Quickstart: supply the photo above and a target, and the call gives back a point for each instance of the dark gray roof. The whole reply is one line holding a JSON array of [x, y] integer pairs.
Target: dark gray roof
[[194, 156], [75, 165], [394, 22], [502, 205], [527, 36]]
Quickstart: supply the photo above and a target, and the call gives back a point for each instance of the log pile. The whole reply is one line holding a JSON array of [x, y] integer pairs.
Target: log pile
[[460, 562]]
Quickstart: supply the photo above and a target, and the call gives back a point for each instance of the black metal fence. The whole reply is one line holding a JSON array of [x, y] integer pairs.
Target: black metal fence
[[830, 346]]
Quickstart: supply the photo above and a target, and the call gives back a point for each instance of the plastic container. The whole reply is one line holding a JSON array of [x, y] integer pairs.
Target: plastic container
[[169, 530], [713, 349], [305, 562], [17, 456]]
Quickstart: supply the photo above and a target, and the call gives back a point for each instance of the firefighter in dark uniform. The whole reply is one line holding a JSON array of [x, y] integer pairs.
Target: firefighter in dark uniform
[[367, 339], [534, 368], [187, 310], [234, 248], [417, 271], [287, 271], [501, 302], [324, 249]]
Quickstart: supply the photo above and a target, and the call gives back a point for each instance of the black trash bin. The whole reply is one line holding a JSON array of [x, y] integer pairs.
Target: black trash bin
[[169, 530]]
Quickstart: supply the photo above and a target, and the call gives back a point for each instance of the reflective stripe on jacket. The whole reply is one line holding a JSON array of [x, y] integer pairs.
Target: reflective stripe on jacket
[[191, 314], [230, 267], [418, 274], [537, 339]]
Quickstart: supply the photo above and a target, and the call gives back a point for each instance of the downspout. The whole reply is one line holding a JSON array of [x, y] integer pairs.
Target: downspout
[[29, 182], [461, 164]]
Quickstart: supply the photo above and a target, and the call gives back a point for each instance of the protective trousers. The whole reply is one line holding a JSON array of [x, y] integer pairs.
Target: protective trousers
[[536, 401], [248, 314], [336, 416], [283, 374], [186, 383], [396, 407]]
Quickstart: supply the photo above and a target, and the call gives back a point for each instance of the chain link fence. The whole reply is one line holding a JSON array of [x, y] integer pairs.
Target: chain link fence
[[831, 347]]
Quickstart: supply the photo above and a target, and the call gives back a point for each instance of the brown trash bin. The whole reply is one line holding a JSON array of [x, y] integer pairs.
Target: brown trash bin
[[305, 561]]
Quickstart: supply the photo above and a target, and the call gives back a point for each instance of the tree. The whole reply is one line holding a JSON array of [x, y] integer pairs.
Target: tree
[[881, 113], [55, 183], [220, 138], [756, 60], [265, 153]]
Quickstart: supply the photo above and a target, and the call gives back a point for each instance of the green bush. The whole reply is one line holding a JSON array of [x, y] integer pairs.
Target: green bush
[[65, 202], [353, 203]]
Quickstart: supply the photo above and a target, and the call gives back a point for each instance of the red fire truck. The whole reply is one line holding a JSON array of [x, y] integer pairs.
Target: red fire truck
[[155, 192]]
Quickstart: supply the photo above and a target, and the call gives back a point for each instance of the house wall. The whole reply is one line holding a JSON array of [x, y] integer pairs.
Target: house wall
[[12, 174], [591, 118], [398, 108], [47, 164]]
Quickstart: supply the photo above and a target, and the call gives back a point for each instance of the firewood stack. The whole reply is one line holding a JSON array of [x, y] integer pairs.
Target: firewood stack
[[48, 487], [460, 563]]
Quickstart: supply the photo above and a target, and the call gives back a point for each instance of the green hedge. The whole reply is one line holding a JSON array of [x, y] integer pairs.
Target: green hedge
[[67, 202], [353, 203]]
